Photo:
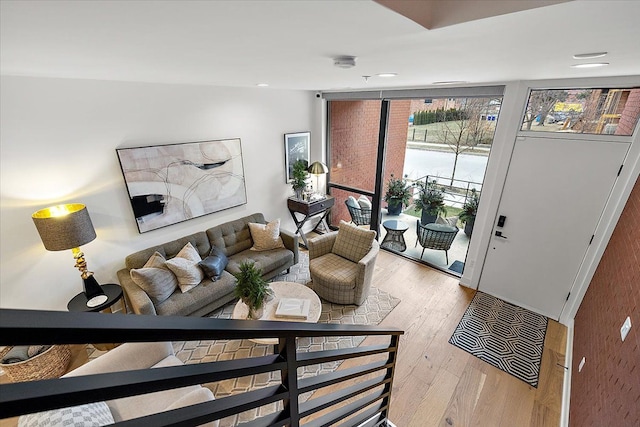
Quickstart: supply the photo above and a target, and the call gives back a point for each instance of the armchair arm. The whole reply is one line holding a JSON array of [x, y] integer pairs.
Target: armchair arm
[[365, 273], [126, 357], [136, 298], [290, 241], [321, 245]]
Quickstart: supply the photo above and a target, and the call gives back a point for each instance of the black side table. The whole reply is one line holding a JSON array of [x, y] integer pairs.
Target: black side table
[[394, 239], [112, 291], [309, 209]]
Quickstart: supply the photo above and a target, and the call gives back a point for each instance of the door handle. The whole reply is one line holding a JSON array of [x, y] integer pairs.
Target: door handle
[[499, 234]]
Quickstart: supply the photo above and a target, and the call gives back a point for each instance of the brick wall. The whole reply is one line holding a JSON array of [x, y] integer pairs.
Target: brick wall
[[607, 391], [354, 147], [629, 115]]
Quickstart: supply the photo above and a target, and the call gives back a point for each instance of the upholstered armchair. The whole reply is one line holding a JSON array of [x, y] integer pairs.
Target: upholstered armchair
[[341, 264]]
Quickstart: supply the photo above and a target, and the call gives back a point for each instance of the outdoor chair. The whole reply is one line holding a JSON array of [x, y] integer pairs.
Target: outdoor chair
[[435, 236], [359, 216]]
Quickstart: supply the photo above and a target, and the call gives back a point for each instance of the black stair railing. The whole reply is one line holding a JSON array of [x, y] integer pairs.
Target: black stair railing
[[362, 397]]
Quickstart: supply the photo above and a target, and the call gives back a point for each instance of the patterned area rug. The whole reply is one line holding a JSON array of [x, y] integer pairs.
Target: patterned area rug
[[377, 306], [503, 335]]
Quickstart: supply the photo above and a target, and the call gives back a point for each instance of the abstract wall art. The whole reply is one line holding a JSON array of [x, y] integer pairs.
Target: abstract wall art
[[172, 183]]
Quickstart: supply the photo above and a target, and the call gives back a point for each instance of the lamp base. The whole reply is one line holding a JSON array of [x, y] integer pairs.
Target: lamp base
[[92, 288]]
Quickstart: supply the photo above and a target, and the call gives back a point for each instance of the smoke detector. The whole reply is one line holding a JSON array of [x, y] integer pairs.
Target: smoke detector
[[344, 61]]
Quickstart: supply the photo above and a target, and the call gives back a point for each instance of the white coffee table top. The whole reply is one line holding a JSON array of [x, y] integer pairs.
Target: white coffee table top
[[282, 290]]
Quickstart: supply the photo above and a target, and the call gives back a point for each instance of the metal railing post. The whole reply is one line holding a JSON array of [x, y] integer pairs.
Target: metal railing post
[[289, 377]]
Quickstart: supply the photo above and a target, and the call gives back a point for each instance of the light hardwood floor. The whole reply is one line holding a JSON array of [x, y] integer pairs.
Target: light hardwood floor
[[437, 384]]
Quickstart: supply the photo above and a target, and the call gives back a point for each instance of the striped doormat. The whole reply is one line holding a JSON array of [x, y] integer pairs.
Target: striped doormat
[[506, 336]]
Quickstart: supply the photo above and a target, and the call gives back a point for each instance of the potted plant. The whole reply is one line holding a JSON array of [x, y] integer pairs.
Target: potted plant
[[397, 195], [299, 182], [251, 288], [430, 201], [469, 212]]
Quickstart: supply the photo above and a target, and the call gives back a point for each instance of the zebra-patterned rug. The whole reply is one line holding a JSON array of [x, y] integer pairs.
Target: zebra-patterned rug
[[506, 336]]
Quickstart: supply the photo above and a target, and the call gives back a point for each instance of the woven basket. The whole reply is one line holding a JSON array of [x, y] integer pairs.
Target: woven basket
[[51, 363]]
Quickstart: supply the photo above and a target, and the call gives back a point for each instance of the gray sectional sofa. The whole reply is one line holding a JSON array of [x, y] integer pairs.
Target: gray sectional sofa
[[234, 239]]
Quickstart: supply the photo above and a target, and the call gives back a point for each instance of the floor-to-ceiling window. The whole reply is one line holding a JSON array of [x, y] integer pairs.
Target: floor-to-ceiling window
[[437, 143]]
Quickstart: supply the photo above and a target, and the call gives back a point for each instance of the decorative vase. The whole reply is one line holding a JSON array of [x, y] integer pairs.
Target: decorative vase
[[255, 313], [299, 193], [394, 208], [427, 218], [468, 227]]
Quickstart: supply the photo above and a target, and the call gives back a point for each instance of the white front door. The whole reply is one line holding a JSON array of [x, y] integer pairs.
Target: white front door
[[554, 195]]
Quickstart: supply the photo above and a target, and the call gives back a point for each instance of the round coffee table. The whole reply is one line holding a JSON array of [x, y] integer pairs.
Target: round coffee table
[[282, 290], [394, 239]]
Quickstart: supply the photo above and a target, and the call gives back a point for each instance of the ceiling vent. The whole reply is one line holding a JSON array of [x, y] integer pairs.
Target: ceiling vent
[[344, 61]]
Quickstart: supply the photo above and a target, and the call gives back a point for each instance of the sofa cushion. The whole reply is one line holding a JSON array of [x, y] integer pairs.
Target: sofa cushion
[[155, 278], [266, 236], [267, 261], [185, 267], [353, 243], [334, 269], [88, 415], [207, 292], [234, 236], [214, 264], [170, 249]]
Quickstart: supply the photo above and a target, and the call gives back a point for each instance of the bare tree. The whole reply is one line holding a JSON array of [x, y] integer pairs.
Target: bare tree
[[541, 103], [470, 128]]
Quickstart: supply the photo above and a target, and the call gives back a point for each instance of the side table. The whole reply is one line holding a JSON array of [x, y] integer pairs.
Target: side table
[[113, 293], [309, 210], [394, 239]]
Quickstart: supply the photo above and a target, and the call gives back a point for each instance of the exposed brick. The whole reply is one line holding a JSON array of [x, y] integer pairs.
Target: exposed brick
[[607, 391]]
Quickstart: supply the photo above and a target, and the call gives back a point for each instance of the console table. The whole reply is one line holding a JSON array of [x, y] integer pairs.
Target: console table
[[309, 210]]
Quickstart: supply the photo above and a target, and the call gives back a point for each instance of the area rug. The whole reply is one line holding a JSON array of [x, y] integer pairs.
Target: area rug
[[376, 307], [457, 267], [506, 336]]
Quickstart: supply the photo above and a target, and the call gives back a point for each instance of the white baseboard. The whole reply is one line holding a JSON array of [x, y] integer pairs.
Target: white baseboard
[[566, 385]]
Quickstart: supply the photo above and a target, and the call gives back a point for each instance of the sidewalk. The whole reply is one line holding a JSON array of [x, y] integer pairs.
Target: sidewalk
[[480, 150]]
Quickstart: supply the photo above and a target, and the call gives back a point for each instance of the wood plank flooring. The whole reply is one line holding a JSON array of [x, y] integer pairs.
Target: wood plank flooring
[[437, 384]]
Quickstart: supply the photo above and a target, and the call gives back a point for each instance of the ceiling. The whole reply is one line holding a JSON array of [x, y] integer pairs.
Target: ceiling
[[290, 44]]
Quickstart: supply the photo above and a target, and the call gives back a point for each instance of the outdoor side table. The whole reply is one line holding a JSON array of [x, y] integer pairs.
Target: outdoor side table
[[394, 239]]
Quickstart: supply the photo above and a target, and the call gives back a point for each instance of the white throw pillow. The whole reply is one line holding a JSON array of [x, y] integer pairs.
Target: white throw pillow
[[351, 201], [90, 415], [185, 266], [364, 202], [155, 278], [266, 236]]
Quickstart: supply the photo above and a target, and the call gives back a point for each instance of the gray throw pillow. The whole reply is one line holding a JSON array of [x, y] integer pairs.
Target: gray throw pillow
[[214, 264], [155, 278]]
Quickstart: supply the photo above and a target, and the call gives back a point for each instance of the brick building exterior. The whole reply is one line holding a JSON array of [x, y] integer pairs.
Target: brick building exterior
[[353, 135]]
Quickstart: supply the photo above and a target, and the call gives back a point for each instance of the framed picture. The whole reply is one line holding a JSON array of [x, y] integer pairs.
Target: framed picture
[[172, 183], [296, 147]]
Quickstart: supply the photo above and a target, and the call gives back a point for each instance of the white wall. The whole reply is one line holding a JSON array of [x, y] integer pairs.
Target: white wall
[[57, 144]]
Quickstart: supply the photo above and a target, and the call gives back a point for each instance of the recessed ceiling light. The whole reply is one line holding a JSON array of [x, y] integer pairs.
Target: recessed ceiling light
[[591, 65], [262, 84], [387, 74], [589, 55], [450, 82]]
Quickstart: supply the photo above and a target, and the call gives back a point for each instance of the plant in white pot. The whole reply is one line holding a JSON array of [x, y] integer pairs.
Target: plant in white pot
[[252, 289], [299, 181]]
